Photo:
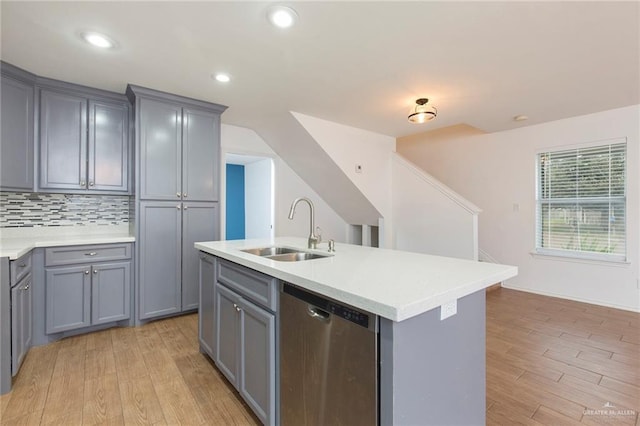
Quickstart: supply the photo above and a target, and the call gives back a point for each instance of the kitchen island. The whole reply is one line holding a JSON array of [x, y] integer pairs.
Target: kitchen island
[[431, 360]]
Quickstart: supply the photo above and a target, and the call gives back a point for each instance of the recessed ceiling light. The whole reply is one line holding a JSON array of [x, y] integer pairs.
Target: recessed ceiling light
[[222, 77], [282, 16], [520, 118], [98, 40]]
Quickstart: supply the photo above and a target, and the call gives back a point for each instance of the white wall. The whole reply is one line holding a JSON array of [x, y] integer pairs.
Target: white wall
[[349, 146], [258, 196], [288, 186], [430, 218], [497, 172]]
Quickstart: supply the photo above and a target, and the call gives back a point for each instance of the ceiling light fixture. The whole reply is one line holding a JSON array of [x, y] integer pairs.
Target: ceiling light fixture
[[422, 112], [222, 77], [520, 118], [98, 40], [282, 16]]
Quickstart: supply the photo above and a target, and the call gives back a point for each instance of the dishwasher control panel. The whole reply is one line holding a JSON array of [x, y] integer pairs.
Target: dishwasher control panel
[[329, 306]]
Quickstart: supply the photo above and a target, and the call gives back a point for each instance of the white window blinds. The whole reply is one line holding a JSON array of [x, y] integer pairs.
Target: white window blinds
[[581, 202]]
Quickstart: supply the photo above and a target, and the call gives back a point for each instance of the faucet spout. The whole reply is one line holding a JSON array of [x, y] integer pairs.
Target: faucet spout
[[313, 238]]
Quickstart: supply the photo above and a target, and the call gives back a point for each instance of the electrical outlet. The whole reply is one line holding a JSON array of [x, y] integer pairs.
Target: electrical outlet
[[358, 168], [448, 309]]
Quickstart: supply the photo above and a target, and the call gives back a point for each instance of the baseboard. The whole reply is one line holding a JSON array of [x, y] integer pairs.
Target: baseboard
[[575, 299]]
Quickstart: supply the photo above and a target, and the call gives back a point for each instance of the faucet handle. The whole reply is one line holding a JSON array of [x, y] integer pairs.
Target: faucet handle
[[318, 234]]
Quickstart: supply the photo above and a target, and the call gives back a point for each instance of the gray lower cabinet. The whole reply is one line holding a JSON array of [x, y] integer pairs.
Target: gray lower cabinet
[[245, 338], [17, 130], [206, 318], [79, 294], [21, 321], [84, 142], [168, 262]]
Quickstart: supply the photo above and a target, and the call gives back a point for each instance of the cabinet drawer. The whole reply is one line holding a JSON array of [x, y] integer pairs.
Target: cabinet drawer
[[82, 254], [20, 268], [254, 285]]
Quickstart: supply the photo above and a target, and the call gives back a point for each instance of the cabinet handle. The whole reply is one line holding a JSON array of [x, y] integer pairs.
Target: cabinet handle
[[22, 265], [93, 253], [26, 287], [185, 208], [178, 207], [86, 272], [178, 194], [83, 183], [237, 307], [184, 195], [90, 183], [95, 271]]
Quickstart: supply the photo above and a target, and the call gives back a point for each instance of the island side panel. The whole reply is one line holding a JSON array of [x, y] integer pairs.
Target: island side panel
[[432, 371], [5, 327]]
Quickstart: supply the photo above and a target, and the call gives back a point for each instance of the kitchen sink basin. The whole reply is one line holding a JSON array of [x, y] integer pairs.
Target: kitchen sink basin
[[270, 251], [284, 254], [296, 257]]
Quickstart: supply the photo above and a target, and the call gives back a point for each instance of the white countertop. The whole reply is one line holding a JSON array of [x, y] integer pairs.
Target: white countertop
[[394, 284], [15, 242]]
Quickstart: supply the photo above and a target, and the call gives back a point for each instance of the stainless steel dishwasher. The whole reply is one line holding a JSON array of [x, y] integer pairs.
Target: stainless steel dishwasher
[[328, 361]]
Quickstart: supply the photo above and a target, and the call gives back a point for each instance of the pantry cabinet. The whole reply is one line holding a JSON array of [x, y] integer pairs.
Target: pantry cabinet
[[177, 180]]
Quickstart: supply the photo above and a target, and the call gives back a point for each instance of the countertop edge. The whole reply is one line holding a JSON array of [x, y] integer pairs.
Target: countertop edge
[[32, 243]]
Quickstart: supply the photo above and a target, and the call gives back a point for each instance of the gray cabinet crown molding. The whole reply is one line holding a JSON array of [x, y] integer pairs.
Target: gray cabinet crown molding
[[78, 89], [9, 70], [134, 91]]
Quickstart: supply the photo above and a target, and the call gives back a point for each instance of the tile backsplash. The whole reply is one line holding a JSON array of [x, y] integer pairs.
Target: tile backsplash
[[25, 209]]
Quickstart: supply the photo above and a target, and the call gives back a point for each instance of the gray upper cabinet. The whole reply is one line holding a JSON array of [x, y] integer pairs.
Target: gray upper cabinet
[[17, 129], [200, 154], [160, 150], [84, 142], [63, 141]]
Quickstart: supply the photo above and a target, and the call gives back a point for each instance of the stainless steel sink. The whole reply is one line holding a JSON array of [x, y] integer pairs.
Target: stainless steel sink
[[269, 251], [296, 257], [284, 254]]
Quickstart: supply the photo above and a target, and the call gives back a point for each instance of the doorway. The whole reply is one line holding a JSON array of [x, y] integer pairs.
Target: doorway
[[249, 203]]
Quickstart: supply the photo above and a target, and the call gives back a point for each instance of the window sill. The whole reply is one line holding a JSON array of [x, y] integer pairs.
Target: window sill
[[580, 259]]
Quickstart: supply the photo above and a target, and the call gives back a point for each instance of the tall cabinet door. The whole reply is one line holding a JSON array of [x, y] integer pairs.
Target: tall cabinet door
[[108, 146], [160, 132], [227, 312], [200, 151], [111, 292], [199, 223], [63, 141], [68, 298], [159, 258], [16, 140]]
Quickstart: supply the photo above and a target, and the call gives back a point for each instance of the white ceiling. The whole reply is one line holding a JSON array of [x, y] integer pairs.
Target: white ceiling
[[357, 63]]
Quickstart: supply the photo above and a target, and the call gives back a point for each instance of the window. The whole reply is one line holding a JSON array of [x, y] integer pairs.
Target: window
[[581, 202]]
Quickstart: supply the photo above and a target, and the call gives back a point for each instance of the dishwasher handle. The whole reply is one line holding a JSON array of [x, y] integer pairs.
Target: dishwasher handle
[[317, 313]]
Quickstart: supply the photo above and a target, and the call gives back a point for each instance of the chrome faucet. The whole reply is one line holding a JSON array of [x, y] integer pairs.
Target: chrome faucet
[[313, 238]]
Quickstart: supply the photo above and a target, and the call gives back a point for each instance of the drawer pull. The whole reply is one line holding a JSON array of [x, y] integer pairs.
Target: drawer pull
[[93, 253], [23, 265], [86, 272], [237, 307], [26, 287]]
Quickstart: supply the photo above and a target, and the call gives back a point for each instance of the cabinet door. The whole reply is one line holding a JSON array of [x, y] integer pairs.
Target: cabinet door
[[257, 360], [159, 257], [227, 312], [16, 138], [63, 141], [160, 150], [199, 223], [200, 155], [68, 298], [206, 320], [110, 292], [17, 343], [108, 146]]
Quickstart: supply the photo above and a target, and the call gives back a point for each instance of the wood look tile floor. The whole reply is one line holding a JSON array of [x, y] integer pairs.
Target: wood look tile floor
[[549, 362]]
